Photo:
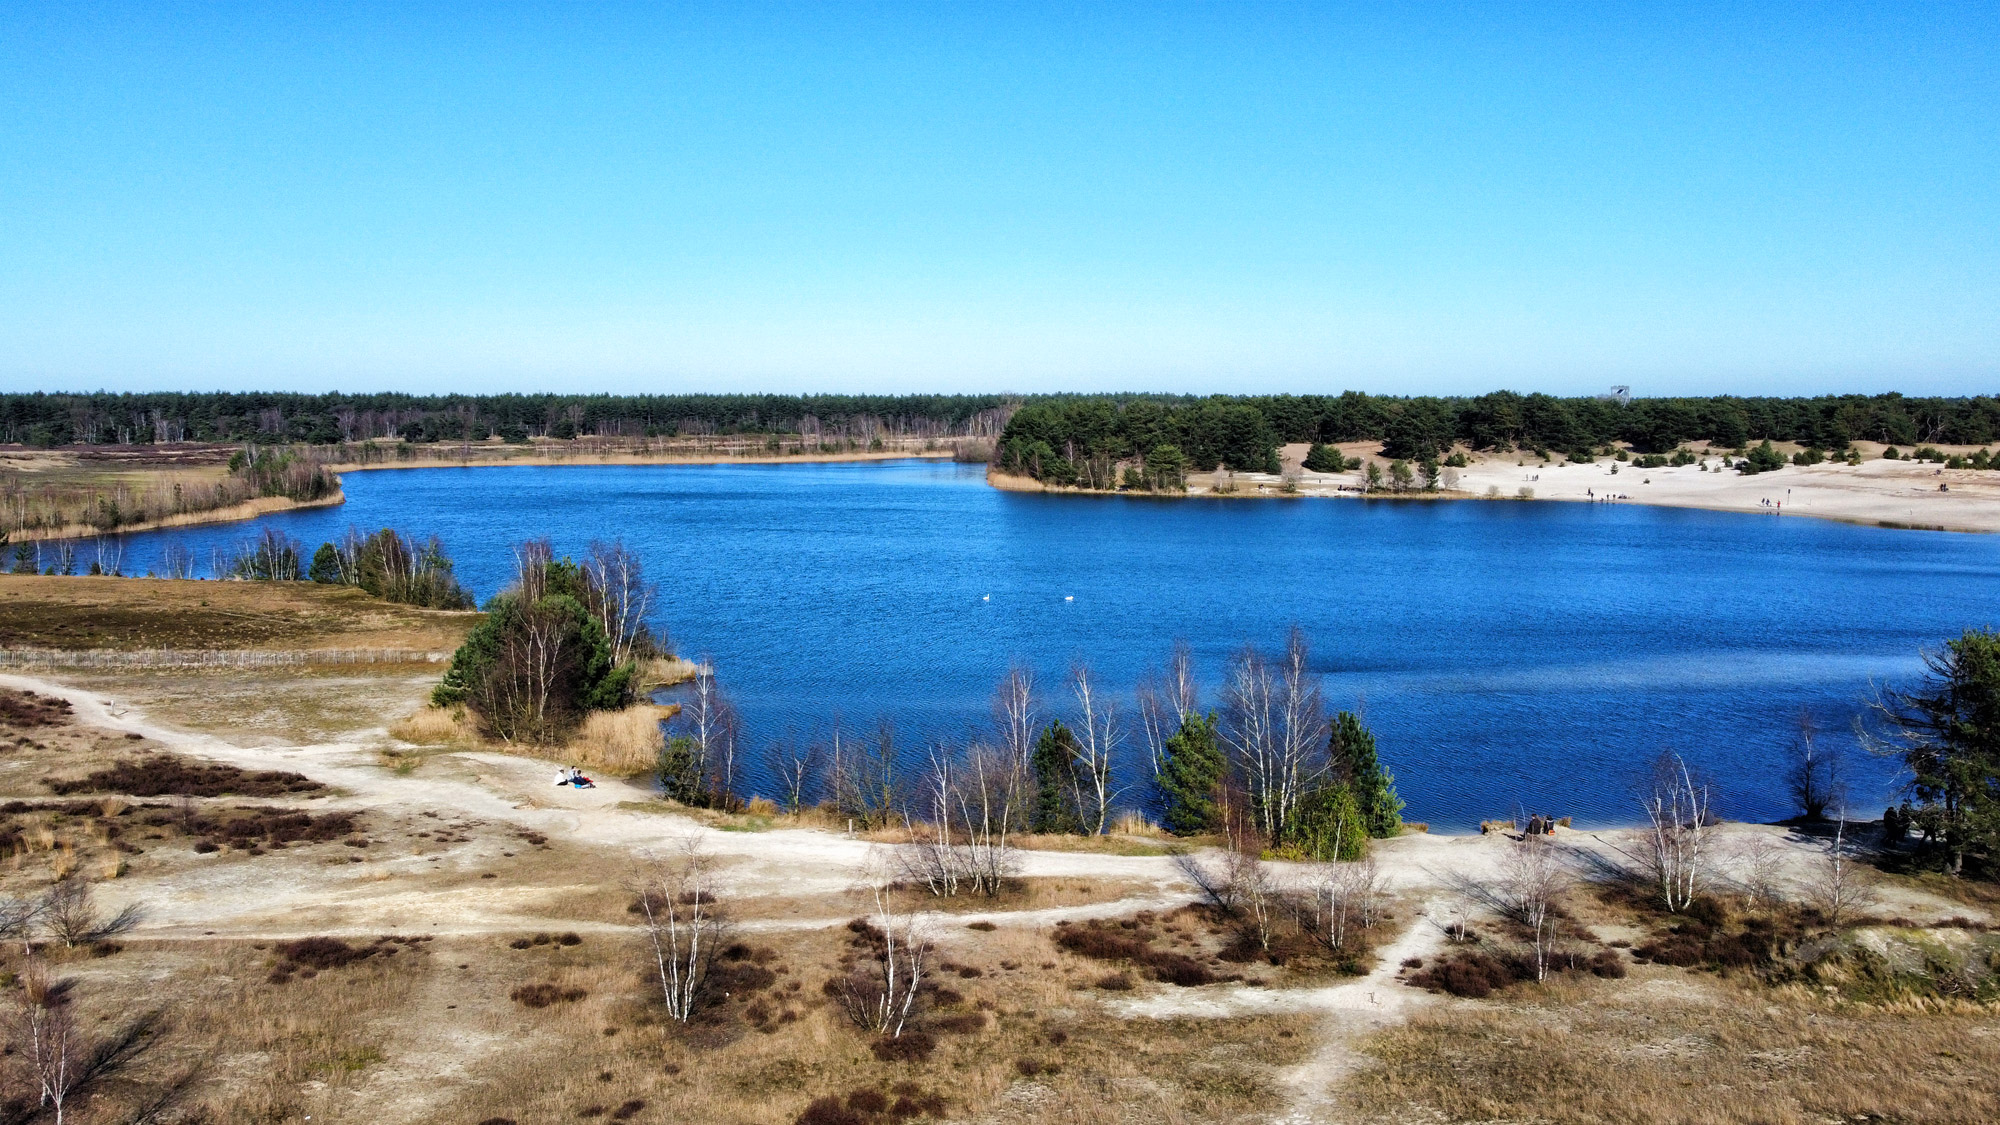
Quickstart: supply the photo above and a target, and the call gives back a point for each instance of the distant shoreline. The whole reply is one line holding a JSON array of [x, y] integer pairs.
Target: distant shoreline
[[233, 513], [269, 505], [547, 460], [1899, 495]]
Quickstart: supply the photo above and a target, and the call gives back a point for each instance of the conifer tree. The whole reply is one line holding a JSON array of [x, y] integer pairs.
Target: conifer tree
[[325, 566], [1054, 763], [1947, 731], [1190, 777], [1351, 751]]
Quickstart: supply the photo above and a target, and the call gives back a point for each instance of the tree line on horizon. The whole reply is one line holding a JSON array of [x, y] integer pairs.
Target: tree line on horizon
[[55, 419], [1081, 440], [1236, 430]]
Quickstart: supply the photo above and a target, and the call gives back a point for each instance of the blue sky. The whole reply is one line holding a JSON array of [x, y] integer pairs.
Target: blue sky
[[1237, 197]]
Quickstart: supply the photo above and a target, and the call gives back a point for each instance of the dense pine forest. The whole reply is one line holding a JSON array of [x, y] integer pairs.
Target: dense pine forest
[[1077, 440], [121, 419], [1241, 432]]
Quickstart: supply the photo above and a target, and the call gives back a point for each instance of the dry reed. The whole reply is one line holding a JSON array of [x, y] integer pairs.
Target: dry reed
[[623, 743], [436, 726]]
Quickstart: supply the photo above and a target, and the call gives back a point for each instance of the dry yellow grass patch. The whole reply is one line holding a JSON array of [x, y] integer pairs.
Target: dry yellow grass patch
[[666, 671], [1035, 1044], [623, 743], [1670, 1047], [436, 726], [55, 612]]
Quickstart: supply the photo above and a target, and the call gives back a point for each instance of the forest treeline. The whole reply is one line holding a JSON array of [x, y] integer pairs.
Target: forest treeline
[[1080, 440], [46, 420], [1236, 430]]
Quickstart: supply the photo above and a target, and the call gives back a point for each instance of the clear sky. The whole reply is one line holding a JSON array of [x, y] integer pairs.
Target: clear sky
[[1235, 197]]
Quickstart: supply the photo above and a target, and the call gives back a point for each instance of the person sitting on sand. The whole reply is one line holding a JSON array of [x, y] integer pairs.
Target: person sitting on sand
[[562, 776]]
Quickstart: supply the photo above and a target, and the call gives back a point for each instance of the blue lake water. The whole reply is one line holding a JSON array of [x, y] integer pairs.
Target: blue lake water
[[1506, 654]]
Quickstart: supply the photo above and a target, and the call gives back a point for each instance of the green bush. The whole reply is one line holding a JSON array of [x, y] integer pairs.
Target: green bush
[[1326, 825], [1762, 459]]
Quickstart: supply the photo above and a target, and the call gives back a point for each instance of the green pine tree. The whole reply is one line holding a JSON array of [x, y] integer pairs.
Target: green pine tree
[[1190, 777], [1325, 459], [1947, 730], [1326, 824], [325, 566], [680, 775], [1054, 762], [1351, 748]]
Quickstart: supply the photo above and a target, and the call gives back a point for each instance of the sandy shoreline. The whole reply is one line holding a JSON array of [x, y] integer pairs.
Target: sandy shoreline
[[266, 505], [1879, 493]]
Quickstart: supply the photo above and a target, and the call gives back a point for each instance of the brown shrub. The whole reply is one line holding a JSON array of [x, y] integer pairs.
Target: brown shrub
[[325, 952], [829, 1111], [1102, 942], [26, 709], [544, 995], [909, 1047], [161, 775], [1473, 975]]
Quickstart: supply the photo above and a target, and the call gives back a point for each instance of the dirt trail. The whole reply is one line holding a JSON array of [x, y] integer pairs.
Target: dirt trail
[[441, 893]]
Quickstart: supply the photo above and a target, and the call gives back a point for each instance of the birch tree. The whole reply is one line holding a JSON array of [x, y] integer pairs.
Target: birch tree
[[1097, 740], [1167, 700], [1015, 715], [1533, 879], [1275, 727], [43, 1027], [1838, 887], [624, 598], [881, 991], [796, 767], [684, 927], [1678, 819]]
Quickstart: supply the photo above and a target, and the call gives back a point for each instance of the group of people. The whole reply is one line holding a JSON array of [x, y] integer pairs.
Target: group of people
[[573, 777], [1606, 498]]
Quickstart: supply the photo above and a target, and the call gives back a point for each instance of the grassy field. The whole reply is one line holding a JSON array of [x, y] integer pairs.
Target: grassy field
[[1669, 1046], [141, 613], [71, 492], [533, 1001]]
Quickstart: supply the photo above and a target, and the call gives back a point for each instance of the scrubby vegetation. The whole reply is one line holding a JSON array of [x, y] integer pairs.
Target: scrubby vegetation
[[99, 492], [155, 775], [566, 639]]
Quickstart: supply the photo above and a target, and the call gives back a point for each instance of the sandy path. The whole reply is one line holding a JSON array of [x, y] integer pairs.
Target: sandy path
[[497, 789], [434, 894]]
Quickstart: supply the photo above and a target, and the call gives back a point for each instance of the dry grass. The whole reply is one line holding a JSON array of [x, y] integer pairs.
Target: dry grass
[[1041, 892], [1015, 1042], [623, 743], [143, 613], [436, 726], [1673, 1048], [666, 671], [472, 1029]]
